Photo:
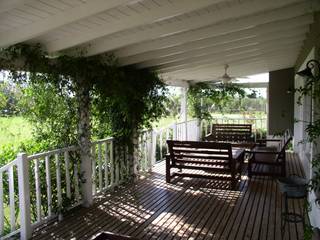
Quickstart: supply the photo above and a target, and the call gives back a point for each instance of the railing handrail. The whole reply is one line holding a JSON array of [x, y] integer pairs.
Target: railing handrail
[[6, 167]]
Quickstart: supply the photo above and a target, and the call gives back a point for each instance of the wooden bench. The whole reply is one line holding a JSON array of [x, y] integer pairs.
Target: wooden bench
[[230, 133], [274, 155], [218, 160]]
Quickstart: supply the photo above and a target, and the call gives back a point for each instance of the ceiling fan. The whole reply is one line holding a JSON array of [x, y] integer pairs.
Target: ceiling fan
[[226, 78]]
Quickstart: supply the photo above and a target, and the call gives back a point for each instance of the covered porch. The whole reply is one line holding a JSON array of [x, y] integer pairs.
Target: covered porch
[[185, 42], [185, 209]]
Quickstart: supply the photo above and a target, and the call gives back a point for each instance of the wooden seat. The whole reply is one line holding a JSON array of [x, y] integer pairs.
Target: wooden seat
[[263, 155], [230, 133], [220, 159]]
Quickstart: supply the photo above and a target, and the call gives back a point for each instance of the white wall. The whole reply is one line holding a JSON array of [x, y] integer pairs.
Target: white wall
[[302, 115], [305, 113]]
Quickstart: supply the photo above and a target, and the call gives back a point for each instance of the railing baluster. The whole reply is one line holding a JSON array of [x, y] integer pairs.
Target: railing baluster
[[12, 200], [1, 205], [106, 167], [58, 175], [67, 163], [38, 189], [160, 142], [111, 163], [100, 166], [146, 152], [48, 181]]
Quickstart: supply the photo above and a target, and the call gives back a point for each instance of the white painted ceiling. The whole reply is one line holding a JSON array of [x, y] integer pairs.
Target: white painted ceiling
[[181, 39]]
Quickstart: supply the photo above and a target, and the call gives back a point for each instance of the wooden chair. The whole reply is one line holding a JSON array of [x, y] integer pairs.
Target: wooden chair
[[263, 155], [230, 133], [211, 157]]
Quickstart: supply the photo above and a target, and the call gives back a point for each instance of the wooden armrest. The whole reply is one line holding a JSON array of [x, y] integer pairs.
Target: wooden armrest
[[268, 140], [262, 152]]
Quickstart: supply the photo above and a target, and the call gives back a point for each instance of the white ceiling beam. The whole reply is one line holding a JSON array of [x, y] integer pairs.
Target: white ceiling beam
[[226, 54], [233, 43], [211, 51], [221, 60], [164, 11], [202, 37], [236, 11], [84, 10], [7, 5], [215, 68], [243, 67]]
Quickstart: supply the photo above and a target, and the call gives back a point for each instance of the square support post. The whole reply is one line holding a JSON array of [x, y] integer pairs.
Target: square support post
[[24, 196], [184, 110]]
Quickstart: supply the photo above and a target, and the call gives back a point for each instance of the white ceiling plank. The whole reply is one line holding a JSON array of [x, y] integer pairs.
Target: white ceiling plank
[[228, 41], [226, 54], [213, 32], [7, 5], [225, 49], [109, 44], [81, 11], [147, 17], [223, 59], [242, 67]]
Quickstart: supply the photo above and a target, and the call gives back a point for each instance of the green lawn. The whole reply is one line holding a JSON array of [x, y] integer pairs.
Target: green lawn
[[14, 130]]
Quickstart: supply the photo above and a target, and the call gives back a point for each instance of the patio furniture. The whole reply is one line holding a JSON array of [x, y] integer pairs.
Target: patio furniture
[[292, 187], [230, 133], [220, 159], [274, 156]]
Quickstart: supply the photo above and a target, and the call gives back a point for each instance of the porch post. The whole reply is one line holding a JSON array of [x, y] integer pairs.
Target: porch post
[[84, 137], [24, 196], [184, 110]]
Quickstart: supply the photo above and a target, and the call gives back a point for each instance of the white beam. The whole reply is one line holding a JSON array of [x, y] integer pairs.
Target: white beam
[[164, 11], [226, 49], [228, 59], [194, 22], [220, 57], [204, 37], [7, 5], [85, 9], [244, 68], [215, 70]]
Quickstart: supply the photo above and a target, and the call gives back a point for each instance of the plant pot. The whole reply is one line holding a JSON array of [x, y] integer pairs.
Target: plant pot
[[293, 186]]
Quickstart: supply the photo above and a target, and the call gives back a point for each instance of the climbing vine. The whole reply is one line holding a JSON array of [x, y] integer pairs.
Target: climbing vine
[[218, 95]]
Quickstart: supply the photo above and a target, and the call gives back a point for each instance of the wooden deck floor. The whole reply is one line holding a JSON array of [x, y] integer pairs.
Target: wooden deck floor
[[185, 209]]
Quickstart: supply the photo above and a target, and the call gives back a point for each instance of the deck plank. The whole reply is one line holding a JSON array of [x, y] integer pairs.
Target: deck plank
[[185, 209]]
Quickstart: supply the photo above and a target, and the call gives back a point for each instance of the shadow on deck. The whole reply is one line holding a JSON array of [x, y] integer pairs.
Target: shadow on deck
[[185, 209]]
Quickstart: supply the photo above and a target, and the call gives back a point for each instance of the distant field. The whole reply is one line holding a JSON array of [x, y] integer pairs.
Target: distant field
[[163, 122], [14, 130]]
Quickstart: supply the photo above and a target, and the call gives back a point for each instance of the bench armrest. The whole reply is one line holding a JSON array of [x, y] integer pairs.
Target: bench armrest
[[263, 152]]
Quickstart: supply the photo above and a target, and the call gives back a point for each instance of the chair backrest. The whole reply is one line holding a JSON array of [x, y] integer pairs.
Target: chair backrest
[[230, 133], [197, 152], [285, 140]]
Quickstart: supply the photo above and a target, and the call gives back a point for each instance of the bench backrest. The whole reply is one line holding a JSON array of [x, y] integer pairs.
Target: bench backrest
[[230, 133], [197, 152]]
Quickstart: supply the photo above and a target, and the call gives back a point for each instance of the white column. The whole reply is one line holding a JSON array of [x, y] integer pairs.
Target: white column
[[24, 196], [184, 110]]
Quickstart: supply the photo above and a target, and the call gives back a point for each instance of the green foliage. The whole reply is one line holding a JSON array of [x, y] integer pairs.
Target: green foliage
[[52, 110], [14, 129], [201, 96], [10, 94]]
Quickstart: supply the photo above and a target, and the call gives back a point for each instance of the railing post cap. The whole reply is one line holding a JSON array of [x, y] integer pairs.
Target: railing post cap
[[21, 154]]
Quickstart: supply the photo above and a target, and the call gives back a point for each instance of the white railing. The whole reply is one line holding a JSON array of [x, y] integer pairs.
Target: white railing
[[259, 125], [153, 146], [51, 180]]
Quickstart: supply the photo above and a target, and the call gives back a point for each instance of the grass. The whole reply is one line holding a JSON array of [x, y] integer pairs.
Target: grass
[[14, 130], [164, 122]]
